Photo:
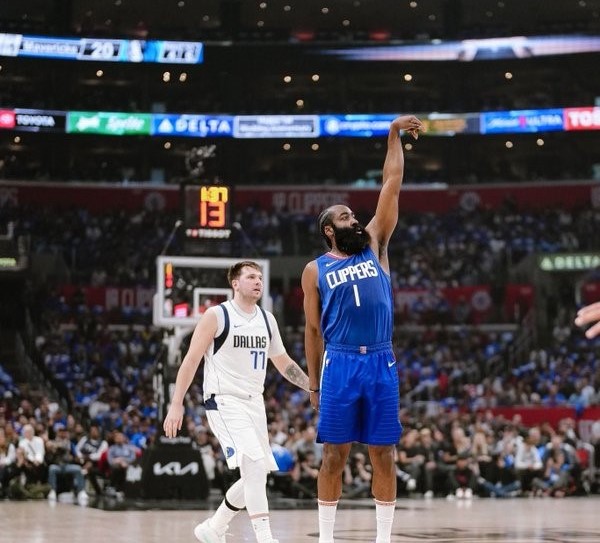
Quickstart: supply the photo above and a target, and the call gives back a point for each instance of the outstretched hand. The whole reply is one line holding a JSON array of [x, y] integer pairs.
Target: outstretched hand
[[588, 314], [408, 123], [173, 420]]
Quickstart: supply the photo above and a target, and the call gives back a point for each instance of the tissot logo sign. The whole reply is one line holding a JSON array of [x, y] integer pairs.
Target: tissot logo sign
[[175, 469]]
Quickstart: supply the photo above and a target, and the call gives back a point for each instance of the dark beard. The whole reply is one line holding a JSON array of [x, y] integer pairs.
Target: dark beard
[[351, 240]]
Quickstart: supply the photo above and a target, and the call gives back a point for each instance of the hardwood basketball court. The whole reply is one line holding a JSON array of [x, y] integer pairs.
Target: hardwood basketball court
[[520, 520]]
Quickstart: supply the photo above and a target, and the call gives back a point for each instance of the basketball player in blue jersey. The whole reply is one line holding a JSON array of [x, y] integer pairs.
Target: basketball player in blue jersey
[[348, 305], [235, 339]]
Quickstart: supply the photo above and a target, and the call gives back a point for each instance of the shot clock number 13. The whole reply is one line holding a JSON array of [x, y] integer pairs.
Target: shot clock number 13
[[214, 207]]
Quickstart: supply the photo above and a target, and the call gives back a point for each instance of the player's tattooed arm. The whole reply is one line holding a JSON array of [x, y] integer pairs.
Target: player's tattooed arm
[[294, 374], [291, 371]]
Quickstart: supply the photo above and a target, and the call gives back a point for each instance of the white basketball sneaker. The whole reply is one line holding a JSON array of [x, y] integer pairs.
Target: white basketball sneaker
[[205, 533]]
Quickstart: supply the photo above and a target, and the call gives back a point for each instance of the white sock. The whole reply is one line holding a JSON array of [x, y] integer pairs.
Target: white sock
[[262, 529], [384, 512], [327, 511], [229, 507]]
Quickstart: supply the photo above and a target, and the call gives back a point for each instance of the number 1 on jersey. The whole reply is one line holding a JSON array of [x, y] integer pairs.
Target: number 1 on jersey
[[356, 296], [257, 355]]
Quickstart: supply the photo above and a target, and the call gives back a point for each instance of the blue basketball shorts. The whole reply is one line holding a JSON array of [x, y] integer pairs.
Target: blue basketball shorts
[[359, 396]]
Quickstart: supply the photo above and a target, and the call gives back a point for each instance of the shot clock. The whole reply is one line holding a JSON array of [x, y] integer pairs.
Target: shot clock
[[207, 211]]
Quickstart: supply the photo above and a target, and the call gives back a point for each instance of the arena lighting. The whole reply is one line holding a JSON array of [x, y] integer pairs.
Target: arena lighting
[[471, 50]]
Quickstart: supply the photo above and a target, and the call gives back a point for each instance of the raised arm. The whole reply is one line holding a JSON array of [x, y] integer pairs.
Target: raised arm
[[383, 223], [203, 335], [313, 338]]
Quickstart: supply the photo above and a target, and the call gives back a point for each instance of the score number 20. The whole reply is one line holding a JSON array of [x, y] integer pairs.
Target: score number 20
[[101, 49]]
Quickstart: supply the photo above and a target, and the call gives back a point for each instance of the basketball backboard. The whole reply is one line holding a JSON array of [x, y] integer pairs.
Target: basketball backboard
[[187, 285]]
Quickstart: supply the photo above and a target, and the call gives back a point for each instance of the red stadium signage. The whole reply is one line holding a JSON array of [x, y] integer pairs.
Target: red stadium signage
[[309, 200], [582, 118], [7, 118]]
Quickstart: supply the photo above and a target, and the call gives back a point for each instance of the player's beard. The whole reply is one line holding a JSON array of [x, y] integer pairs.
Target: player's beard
[[351, 239]]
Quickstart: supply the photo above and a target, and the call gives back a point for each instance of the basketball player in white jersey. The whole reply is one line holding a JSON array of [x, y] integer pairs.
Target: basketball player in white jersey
[[236, 338]]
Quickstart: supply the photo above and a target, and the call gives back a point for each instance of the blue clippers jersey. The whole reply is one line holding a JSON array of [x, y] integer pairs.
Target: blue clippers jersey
[[356, 299]]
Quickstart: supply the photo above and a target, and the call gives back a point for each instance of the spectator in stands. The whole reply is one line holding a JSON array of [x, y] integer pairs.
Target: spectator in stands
[[305, 473], [89, 449], [24, 481], [462, 479], [528, 463], [430, 449], [357, 476], [556, 479], [411, 458], [209, 459], [481, 452], [35, 451], [500, 480], [121, 455], [63, 461], [7, 459]]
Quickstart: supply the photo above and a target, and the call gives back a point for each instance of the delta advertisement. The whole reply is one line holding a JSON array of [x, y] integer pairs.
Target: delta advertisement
[[195, 126]]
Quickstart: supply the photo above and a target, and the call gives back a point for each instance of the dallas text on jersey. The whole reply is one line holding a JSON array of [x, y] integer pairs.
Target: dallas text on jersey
[[250, 342]]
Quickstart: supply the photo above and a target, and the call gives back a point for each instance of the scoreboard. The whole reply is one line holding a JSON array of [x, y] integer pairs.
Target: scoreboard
[[207, 211], [101, 50]]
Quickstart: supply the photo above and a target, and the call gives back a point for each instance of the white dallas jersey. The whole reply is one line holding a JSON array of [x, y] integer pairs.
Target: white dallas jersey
[[236, 360]]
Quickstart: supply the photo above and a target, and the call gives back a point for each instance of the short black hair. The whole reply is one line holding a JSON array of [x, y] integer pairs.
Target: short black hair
[[325, 219]]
